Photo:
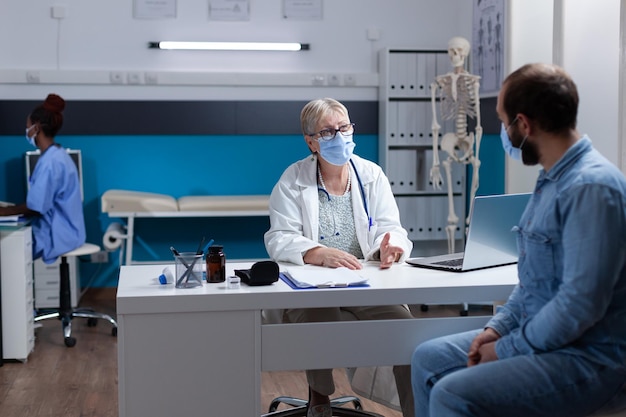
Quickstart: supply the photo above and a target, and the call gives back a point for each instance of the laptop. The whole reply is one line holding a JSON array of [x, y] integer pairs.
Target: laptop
[[490, 241]]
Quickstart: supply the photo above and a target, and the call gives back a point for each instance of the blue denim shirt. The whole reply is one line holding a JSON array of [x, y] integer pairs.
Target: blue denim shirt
[[571, 295]]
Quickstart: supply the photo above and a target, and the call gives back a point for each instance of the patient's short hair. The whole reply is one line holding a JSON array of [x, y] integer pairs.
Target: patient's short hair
[[545, 93]]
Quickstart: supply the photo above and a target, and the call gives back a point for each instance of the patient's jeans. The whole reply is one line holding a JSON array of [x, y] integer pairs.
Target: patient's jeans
[[321, 380], [549, 384]]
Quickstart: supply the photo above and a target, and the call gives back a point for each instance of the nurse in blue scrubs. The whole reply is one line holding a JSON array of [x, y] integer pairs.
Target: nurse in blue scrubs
[[54, 199]]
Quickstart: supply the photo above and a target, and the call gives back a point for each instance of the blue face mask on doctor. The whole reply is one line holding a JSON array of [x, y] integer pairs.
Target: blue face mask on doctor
[[338, 150]]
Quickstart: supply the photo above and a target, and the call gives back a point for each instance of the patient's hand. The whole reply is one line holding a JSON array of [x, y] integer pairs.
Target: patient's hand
[[332, 258], [483, 348], [388, 253]]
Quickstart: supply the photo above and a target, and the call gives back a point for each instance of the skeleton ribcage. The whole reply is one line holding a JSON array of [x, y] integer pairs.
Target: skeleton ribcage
[[465, 103]]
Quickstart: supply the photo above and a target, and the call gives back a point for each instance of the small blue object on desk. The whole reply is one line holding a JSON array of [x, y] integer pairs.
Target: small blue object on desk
[[167, 276]]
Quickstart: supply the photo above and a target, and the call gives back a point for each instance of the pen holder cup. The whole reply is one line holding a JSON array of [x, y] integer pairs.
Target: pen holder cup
[[188, 270]]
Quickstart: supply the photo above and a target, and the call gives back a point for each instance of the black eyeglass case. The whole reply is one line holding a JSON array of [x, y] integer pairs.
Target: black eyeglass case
[[261, 273]]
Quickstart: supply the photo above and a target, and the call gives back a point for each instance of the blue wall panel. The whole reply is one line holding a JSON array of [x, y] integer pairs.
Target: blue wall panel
[[177, 166], [191, 165]]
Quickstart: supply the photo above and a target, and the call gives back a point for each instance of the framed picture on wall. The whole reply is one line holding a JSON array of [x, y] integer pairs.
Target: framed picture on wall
[[302, 10], [487, 56], [229, 10], [147, 9]]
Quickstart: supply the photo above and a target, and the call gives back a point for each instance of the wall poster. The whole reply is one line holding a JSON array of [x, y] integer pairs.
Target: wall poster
[[487, 55], [154, 9], [229, 10]]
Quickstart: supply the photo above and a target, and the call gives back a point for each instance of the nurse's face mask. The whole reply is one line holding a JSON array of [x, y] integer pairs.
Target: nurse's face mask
[[31, 139]]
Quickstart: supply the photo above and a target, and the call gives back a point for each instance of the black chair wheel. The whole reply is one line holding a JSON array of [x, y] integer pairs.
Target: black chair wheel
[[92, 322], [114, 332], [70, 341], [424, 307]]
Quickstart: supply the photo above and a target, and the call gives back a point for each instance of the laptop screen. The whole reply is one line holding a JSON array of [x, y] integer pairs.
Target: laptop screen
[[490, 240]]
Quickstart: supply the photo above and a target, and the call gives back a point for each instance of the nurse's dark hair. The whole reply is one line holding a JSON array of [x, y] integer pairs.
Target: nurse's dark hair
[[49, 115], [544, 93], [314, 110]]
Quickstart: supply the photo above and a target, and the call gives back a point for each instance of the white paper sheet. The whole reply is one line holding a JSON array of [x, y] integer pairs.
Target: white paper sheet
[[307, 277]]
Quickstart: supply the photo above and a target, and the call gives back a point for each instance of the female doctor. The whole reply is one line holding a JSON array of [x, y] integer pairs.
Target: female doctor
[[335, 209]]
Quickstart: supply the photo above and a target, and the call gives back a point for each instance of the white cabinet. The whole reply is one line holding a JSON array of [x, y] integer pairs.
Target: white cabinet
[[16, 276], [47, 278], [406, 147]]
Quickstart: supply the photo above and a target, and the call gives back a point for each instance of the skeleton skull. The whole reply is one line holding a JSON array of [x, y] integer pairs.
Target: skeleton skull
[[458, 50]]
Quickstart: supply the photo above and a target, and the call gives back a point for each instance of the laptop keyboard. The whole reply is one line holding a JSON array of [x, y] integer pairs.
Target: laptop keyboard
[[450, 262]]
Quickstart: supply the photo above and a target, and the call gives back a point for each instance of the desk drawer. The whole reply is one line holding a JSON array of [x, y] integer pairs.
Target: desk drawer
[[47, 278], [50, 298], [47, 282]]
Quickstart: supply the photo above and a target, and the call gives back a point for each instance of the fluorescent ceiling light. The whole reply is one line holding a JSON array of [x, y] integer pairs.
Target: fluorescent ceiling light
[[231, 46]]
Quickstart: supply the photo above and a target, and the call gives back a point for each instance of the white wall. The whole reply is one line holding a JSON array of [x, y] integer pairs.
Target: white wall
[[590, 54], [585, 39], [79, 51], [530, 40]]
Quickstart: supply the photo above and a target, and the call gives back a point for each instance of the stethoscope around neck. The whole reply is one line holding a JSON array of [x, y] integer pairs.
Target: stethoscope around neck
[[361, 188]]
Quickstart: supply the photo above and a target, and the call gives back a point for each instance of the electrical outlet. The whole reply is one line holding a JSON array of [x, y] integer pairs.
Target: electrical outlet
[[333, 79], [101, 257], [318, 80], [151, 78], [117, 77], [133, 78], [349, 79], [32, 76]]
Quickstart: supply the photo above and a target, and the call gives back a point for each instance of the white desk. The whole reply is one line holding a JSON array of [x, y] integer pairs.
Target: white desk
[[200, 352], [17, 337]]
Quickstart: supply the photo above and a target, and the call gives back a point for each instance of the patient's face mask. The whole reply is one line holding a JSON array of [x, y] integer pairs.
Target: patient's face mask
[[337, 151], [31, 139], [513, 152]]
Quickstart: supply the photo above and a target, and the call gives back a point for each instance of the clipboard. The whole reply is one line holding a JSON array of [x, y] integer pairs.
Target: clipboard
[[320, 277]]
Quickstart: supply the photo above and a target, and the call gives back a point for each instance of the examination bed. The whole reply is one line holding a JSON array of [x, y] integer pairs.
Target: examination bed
[[133, 204]]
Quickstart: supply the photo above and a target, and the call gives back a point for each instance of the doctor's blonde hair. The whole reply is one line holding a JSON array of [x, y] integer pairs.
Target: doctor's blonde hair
[[314, 110]]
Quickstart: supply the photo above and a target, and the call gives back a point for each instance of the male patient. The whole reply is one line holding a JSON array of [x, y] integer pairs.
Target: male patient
[[558, 345]]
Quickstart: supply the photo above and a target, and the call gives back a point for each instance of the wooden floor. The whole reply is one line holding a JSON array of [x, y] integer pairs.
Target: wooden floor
[[57, 381]]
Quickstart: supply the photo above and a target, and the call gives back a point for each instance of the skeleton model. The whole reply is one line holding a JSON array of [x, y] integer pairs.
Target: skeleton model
[[459, 99]]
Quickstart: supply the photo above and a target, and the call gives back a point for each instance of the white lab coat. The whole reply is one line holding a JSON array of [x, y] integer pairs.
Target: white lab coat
[[294, 229], [294, 212]]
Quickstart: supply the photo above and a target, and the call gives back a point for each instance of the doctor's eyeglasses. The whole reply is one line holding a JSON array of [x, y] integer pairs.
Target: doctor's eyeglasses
[[329, 134]]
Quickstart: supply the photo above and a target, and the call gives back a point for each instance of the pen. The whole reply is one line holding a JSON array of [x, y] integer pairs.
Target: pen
[[206, 247], [189, 270], [200, 251], [177, 254], [174, 251]]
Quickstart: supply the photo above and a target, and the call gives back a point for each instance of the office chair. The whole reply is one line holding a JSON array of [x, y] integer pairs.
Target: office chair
[[299, 406], [65, 312]]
